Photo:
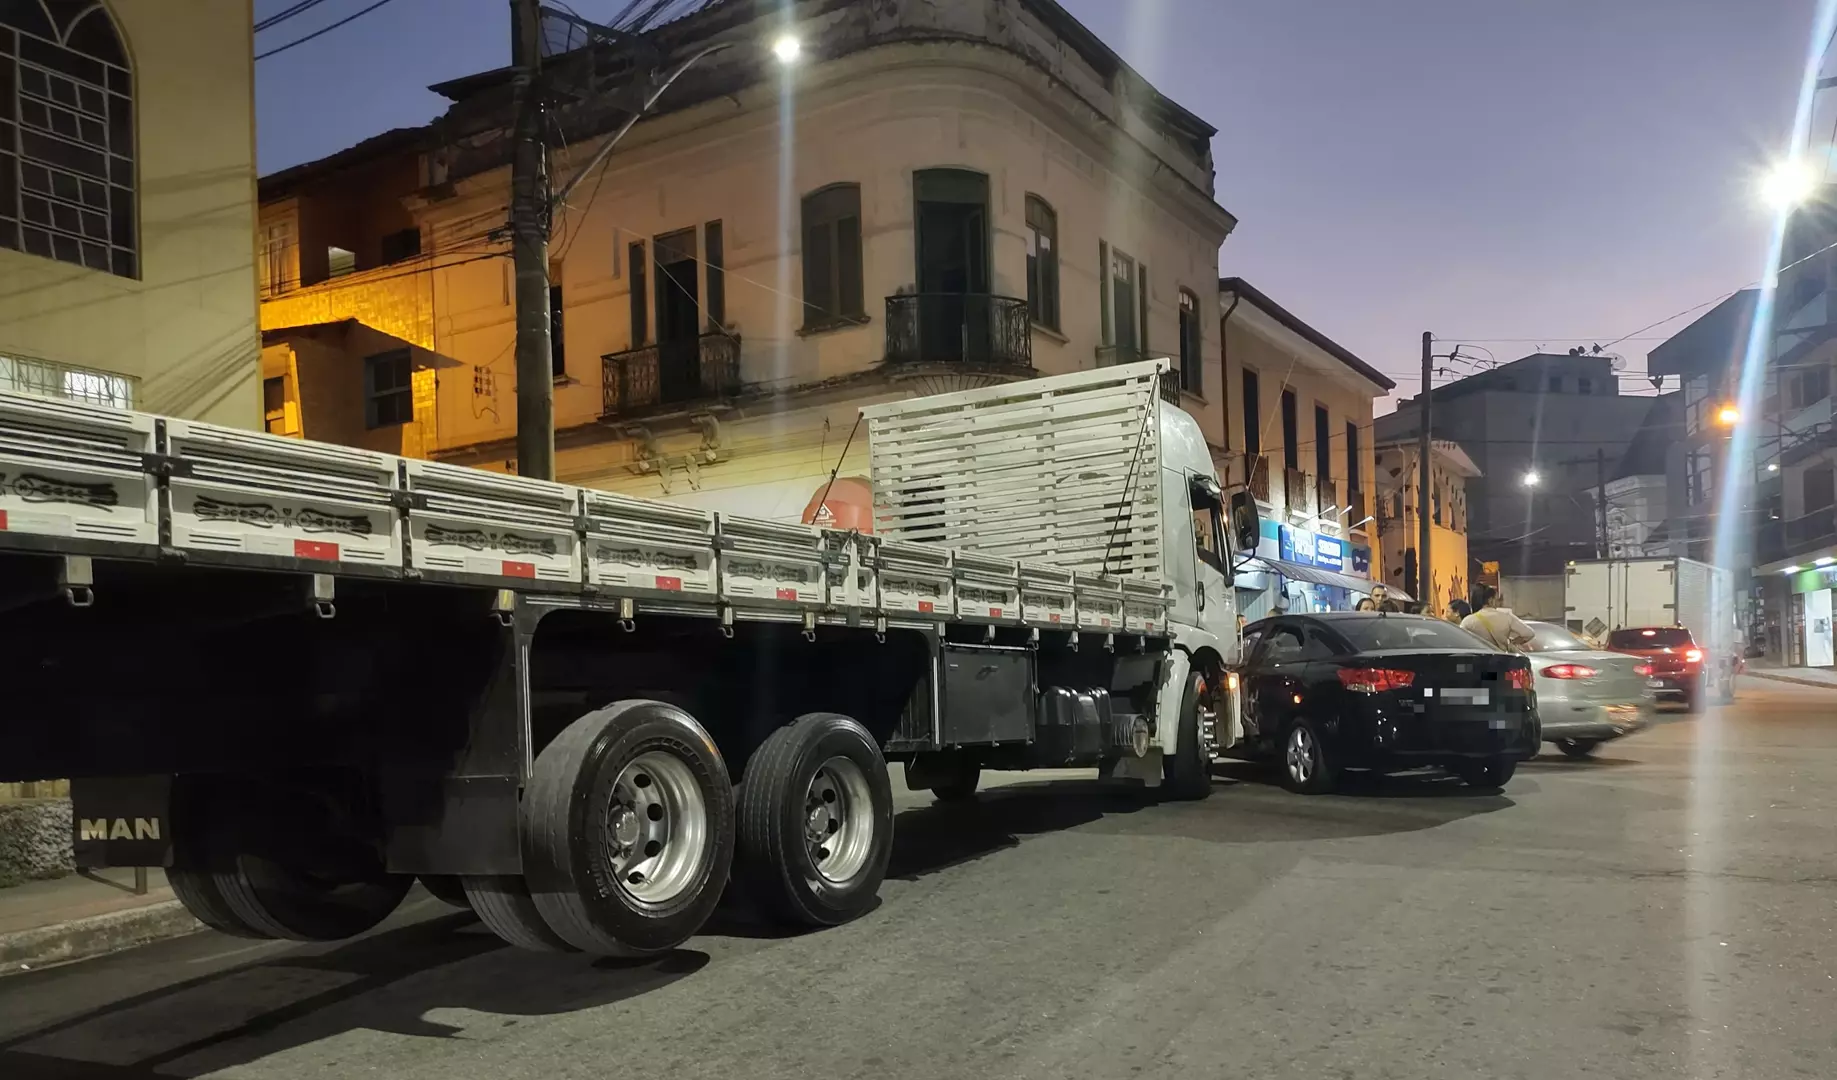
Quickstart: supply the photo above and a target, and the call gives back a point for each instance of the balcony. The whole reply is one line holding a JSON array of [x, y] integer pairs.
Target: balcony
[[1170, 387], [964, 329], [1326, 496], [1815, 529], [673, 373], [1298, 491], [1259, 478]]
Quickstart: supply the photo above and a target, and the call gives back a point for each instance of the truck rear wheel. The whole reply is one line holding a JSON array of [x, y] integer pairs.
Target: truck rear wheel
[[447, 889], [815, 822], [198, 891], [304, 905], [505, 907], [629, 828]]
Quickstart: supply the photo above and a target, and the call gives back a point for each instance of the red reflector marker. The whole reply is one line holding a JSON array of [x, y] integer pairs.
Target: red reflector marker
[[926, 607], [670, 584], [315, 549], [519, 569], [787, 594], [1571, 671], [1375, 680], [2, 520]]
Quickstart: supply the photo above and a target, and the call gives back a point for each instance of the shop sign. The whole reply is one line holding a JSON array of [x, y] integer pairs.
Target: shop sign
[[1310, 549]]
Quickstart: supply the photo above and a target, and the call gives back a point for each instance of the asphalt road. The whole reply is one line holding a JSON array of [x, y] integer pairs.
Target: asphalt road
[[1669, 910]]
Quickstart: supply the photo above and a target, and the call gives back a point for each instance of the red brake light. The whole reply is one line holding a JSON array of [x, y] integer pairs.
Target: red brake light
[[1370, 680], [1519, 678], [1642, 669], [1693, 656], [1570, 671]]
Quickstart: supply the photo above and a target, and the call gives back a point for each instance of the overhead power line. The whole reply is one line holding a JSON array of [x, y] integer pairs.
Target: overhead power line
[[280, 17], [360, 13]]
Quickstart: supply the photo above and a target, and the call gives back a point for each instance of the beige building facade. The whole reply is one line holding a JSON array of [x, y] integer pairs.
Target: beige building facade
[[1399, 476], [938, 196], [127, 202], [1294, 424]]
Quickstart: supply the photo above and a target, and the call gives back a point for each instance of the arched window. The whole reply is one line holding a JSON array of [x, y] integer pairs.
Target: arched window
[[67, 135], [1042, 262], [832, 257]]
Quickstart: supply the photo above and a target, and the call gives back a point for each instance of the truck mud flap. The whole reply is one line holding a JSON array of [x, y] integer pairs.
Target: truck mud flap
[[122, 821]]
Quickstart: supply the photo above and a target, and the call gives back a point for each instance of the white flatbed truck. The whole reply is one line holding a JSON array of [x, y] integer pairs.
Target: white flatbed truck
[[300, 676]]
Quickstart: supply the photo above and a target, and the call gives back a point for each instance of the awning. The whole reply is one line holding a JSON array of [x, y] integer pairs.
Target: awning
[[1316, 576]]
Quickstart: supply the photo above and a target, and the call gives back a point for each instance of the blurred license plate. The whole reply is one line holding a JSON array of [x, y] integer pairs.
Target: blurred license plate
[[1656, 684], [1458, 696]]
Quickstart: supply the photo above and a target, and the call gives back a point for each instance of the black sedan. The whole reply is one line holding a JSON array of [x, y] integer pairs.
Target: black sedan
[[1388, 692]]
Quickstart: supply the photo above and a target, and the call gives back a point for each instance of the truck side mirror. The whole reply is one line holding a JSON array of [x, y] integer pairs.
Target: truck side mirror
[[1246, 528]]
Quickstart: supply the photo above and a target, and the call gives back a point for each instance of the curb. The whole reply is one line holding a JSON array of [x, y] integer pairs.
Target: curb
[[1792, 679], [93, 936]]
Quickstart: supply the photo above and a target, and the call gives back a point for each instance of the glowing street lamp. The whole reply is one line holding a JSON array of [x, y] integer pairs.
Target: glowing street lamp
[[1531, 479], [1728, 416], [1788, 185], [787, 48]]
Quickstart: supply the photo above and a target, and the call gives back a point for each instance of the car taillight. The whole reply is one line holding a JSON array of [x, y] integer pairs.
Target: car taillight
[[1373, 680], [1570, 671], [1693, 656], [1642, 669], [1519, 678]]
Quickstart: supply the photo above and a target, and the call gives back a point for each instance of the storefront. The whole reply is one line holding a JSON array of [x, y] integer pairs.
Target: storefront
[[1811, 640], [1300, 570]]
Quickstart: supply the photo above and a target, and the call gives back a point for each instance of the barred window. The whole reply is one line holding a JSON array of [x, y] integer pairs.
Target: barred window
[[67, 136]]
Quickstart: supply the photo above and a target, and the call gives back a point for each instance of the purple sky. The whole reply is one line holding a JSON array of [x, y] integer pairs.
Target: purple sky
[[1557, 171]]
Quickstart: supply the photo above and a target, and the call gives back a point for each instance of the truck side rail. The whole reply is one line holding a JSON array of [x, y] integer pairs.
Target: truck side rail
[[85, 482]]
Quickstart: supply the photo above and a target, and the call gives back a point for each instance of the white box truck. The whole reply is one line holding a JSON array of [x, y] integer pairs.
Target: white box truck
[[300, 676], [1608, 595]]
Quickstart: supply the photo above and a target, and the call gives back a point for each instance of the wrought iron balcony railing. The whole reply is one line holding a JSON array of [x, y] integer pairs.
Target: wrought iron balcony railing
[[974, 329], [681, 372]]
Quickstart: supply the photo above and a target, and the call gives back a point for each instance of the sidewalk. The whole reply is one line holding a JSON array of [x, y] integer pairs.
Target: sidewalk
[[49, 922], [1803, 676]]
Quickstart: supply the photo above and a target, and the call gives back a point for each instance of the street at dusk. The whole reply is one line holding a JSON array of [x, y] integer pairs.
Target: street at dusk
[[1665, 910]]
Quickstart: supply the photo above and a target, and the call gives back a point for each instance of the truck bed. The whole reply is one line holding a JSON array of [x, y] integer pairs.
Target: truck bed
[[82, 483]]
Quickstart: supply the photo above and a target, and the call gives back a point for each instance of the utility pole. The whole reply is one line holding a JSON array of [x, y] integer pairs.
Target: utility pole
[[529, 226], [1424, 413], [1602, 551]]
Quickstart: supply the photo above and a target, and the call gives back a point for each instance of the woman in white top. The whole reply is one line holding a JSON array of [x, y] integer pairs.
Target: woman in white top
[[1494, 623]]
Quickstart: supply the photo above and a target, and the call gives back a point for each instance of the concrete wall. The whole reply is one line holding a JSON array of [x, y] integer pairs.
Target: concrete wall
[[186, 328]]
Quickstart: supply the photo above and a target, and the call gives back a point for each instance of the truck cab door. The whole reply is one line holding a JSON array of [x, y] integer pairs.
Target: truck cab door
[[1215, 592]]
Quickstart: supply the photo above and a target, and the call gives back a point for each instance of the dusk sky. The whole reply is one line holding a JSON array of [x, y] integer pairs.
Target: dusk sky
[[1556, 171]]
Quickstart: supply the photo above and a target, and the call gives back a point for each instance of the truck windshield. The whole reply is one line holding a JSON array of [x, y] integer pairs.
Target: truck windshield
[[1658, 637]]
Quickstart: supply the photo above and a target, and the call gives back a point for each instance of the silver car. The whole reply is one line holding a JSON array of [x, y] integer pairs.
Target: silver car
[[1586, 695]]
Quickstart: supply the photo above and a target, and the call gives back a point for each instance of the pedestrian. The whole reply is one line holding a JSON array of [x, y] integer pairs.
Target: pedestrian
[[1381, 598], [1495, 624], [1365, 603], [1458, 610]]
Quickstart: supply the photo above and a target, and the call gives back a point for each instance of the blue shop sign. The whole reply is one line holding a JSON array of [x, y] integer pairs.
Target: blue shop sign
[[1327, 552]]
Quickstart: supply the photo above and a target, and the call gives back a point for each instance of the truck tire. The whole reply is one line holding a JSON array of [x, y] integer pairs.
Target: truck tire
[[1187, 772], [446, 888], [961, 787], [197, 890], [628, 829], [815, 822], [283, 902], [505, 907]]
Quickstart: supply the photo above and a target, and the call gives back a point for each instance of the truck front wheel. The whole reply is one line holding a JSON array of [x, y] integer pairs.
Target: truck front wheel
[[815, 822], [1187, 772], [628, 829]]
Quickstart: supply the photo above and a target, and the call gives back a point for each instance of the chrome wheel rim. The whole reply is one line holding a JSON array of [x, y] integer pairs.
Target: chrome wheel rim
[[1301, 755], [656, 828], [839, 820]]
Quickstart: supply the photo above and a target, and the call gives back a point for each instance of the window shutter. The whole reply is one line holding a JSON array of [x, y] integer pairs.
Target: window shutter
[[1108, 332], [640, 308]]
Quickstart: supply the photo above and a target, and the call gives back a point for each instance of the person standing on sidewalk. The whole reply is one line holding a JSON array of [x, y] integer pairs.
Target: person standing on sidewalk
[[1495, 624]]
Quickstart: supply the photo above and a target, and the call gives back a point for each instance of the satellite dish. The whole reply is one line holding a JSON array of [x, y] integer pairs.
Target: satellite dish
[[1617, 362]]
